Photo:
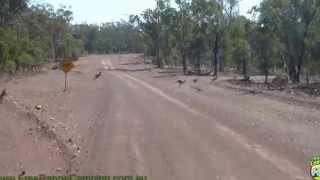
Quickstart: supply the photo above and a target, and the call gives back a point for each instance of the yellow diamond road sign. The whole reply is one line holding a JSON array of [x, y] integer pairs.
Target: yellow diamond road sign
[[66, 66]]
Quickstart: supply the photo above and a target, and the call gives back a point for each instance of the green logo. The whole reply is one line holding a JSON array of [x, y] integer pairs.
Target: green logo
[[315, 167]]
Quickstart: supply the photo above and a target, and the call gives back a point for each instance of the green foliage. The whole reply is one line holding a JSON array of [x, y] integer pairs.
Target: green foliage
[[294, 23], [10, 9], [241, 56], [8, 49], [25, 60], [109, 37], [70, 47], [9, 66], [198, 34], [34, 35], [284, 38], [4, 54]]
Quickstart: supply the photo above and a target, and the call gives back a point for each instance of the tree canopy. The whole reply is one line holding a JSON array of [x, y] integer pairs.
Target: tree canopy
[[200, 36], [210, 33]]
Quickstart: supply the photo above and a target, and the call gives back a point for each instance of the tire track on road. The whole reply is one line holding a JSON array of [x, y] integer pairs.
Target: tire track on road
[[282, 164]]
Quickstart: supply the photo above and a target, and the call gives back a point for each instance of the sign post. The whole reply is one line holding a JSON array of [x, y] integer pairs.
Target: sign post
[[66, 66]]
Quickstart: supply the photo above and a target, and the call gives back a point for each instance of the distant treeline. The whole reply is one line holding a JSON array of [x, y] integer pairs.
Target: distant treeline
[[119, 37], [202, 36], [283, 37], [36, 34]]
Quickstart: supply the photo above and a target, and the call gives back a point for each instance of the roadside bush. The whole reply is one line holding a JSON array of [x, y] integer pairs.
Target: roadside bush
[[70, 47], [25, 60], [10, 66], [4, 54]]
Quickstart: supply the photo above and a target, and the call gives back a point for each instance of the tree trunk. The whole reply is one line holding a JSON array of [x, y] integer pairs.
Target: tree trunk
[[184, 63], [215, 53], [158, 61], [300, 64], [298, 67], [308, 77], [266, 74], [221, 60], [245, 69], [65, 81], [303, 51], [221, 65], [297, 78], [53, 50], [266, 71], [197, 65], [215, 62], [292, 69]]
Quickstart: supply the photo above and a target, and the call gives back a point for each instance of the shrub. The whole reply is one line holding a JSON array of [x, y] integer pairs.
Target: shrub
[[25, 60], [9, 66]]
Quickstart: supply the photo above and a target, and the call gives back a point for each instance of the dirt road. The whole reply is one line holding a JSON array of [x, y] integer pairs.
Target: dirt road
[[132, 122]]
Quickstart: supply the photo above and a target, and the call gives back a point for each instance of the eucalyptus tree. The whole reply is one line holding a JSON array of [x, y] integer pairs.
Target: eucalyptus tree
[[10, 9], [167, 26], [199, 35], [267, 47], [34, 34], [295, 22], [183, 30], [59, 25], [150, 25], [239, 45], [221, 14], [49, 23]]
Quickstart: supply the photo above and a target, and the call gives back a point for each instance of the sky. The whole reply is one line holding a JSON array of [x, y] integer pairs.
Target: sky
[[100, 11]]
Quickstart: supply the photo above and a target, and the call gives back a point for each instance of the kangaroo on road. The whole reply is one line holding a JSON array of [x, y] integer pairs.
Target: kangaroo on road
[[97, 75], [181, 82], [2, 95]]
